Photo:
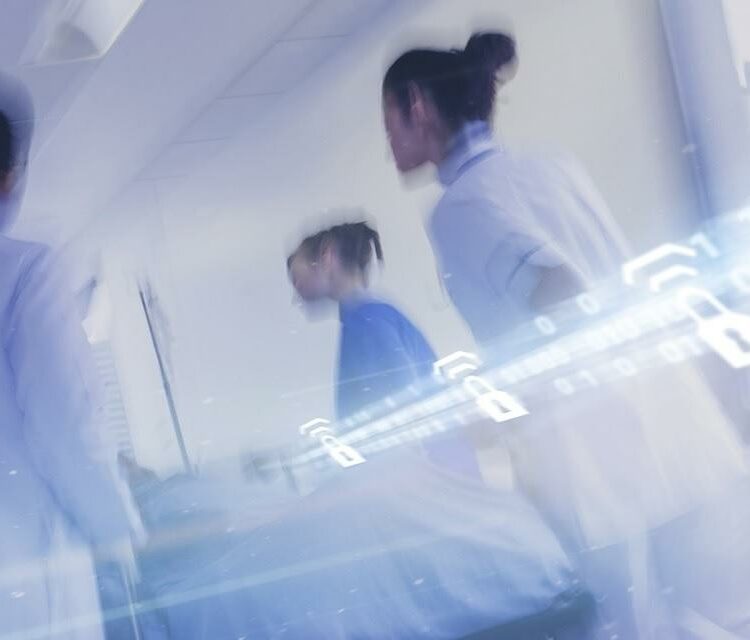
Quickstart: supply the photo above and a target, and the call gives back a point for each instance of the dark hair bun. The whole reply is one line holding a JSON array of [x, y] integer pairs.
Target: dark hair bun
[[490, 50]]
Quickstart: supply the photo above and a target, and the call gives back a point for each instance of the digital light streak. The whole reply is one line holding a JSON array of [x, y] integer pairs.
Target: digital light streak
[[592, 340]]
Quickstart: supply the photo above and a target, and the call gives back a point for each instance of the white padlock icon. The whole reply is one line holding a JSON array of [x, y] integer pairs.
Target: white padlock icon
[[727, 332], [498, 405], [345, 455]]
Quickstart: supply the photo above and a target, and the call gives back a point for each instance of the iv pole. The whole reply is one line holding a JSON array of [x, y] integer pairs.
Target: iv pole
[[167, 388]]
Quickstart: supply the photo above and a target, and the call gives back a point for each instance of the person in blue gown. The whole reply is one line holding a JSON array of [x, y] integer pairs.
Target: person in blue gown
[[381, 352], [405, 546]]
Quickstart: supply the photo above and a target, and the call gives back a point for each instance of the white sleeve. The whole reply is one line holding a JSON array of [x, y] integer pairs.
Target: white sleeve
[[473, 236], [57, 392]]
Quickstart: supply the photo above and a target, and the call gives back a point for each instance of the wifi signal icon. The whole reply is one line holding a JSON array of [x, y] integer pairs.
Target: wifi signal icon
[[314, 427], [456, 365], [663, 277]]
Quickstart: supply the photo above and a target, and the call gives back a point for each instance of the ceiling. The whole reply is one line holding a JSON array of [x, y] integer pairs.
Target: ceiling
[[181, 81]]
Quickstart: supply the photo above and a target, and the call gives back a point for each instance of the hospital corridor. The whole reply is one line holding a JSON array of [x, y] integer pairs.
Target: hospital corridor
[[375, 319]]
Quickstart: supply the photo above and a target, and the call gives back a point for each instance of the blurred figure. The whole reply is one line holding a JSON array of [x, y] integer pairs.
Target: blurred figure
[[381, 352], [514, 233], [59, 494]]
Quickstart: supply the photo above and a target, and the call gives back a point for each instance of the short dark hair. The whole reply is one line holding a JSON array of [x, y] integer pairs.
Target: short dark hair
[[461, 83], [7, 152], [354, 243]]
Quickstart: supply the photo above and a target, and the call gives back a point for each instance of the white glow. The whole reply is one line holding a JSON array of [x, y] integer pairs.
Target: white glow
[[313, 423], [701, 295], [727, 332], [455, 364], [737, 13], [79, 30], [663, 277], [346, 457], [632, 267], [741, 279], [545, 325], [498, 405], [98, 322], [343, 454]]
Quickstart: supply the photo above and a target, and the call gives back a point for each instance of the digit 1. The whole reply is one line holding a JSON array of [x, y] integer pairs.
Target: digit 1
[[701, 240], [625, 366], [563, 386], [692, 345], [671, 352], [589, 378]]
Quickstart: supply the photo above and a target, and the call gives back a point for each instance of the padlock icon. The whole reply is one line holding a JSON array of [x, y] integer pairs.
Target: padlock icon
[[345, 455], [498, 405], [727, 332]]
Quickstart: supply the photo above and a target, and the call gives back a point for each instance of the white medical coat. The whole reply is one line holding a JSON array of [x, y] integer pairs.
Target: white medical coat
[[605, 464], [58, 494]]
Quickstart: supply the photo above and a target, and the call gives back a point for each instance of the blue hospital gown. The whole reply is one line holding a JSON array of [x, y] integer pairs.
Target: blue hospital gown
[[381, 353]]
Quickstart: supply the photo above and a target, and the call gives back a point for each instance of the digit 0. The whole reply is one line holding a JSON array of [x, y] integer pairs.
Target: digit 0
[[564, 386], [588, 304], [741, 279], [589, 378], [671, 351], [545, 325], [625, 366]]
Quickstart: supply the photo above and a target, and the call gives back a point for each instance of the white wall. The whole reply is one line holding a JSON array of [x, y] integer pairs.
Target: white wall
[[594, 78], [714, 95]]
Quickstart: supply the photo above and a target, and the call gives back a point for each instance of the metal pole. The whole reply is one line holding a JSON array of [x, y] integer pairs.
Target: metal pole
[[715, 107], [130, 589], [167, 388]]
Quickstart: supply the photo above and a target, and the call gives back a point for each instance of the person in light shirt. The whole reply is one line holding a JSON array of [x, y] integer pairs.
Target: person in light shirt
[[59, 497], [628, 473]]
